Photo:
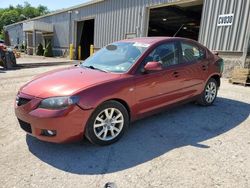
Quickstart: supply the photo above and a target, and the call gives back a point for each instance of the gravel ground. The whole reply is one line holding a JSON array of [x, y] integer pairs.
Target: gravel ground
[[188, 146]]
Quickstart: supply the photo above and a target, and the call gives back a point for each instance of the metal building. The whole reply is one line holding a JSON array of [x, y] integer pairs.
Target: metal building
[[221, 25]]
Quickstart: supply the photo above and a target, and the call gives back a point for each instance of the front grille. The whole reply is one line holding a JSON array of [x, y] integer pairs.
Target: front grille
[[25, 126], [22, 101]]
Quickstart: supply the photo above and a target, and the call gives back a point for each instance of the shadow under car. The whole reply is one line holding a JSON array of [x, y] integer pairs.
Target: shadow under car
[[146, 139]]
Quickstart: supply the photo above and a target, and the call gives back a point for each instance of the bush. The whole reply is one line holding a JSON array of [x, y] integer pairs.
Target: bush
[[1, 35], [40, 50], [48, 50], [22, 48]]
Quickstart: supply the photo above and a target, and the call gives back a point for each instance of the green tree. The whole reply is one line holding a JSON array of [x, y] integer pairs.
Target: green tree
[[8, 17], [18, 13], [1, 36], [43, 9]]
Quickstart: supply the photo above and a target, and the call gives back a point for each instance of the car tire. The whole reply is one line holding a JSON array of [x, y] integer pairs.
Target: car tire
[[107, 124], [209, 93]]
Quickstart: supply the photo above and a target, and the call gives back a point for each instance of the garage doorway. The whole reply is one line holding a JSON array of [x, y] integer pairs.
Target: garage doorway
[[85, 36], [180, 20]]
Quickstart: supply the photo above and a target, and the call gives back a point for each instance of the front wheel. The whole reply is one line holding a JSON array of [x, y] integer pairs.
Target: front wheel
[[209, 94], [107, 124]]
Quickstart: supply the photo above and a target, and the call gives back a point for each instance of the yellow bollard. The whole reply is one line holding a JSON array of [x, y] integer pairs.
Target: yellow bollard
[[71, 53], [79, 52], [91, 49]]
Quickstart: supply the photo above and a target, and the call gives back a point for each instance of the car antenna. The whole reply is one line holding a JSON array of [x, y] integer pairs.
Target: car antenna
[[178, 30]]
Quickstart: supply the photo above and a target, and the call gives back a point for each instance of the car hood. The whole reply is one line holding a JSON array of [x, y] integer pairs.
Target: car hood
[[67, 81]]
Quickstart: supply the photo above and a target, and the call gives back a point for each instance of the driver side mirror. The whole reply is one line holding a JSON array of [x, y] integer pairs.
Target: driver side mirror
[[153, 66]]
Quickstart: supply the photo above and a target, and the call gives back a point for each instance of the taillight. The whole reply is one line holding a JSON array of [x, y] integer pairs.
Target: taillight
[[220, 63]]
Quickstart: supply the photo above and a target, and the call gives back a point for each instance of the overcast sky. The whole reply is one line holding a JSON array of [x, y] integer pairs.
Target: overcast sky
[[51, 4]]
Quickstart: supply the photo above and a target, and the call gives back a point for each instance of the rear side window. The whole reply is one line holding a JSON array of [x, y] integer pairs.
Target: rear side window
[[191, 53], [166, 54]]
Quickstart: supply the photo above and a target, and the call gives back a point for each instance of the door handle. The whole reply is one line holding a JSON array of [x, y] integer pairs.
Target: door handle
[[176, 74], [204, 67]]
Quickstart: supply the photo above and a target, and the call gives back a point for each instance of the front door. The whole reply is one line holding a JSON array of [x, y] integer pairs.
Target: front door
[[158, 89]]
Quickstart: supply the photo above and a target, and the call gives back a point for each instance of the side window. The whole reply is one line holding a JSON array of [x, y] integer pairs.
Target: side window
[[191, 52], [167, 54]]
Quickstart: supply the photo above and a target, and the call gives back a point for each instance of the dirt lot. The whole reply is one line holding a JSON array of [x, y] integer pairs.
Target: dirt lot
[[188, 146]]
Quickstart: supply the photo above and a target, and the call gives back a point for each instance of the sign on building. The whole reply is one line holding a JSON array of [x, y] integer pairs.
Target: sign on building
[[225, 20]]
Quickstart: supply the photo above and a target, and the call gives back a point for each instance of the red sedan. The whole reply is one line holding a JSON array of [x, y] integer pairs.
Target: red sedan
[[121, 83]]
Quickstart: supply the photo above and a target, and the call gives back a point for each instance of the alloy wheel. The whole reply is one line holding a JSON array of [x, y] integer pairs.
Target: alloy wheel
[[108, 124], [210, 92]]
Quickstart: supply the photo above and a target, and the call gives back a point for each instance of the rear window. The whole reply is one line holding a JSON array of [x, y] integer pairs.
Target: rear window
[[192, 53]]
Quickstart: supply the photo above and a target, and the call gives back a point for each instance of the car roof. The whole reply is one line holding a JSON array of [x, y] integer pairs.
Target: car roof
[[153, 40], [146, 40]]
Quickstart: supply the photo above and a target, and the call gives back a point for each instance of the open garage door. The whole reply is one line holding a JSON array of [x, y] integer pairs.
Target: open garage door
[[85, 36], [180, 20]]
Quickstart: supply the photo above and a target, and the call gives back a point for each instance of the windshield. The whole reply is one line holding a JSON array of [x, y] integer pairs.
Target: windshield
[[117, 57]]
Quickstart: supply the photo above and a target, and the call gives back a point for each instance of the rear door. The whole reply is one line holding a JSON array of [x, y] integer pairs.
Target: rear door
[[195, 65]]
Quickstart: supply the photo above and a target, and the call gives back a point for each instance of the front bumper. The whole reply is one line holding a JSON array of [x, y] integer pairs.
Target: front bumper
[[69, 124]]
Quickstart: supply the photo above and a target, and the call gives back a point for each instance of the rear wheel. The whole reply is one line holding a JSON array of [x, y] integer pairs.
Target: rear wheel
[[209, 94], [107, 124]]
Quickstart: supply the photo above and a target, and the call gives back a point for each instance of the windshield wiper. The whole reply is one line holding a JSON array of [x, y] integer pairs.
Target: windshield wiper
[[95, 68]]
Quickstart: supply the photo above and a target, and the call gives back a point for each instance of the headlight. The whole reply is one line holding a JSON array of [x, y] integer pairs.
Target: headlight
[[56, 103]]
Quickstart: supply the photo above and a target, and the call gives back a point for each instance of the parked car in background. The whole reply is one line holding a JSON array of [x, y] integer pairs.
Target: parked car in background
[[1, 41], [121, 83]]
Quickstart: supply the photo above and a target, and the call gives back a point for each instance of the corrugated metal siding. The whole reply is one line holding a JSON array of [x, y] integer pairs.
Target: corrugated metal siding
[[226, 38], [61, 28], [116, 18], [15, 34], [113, 20]]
